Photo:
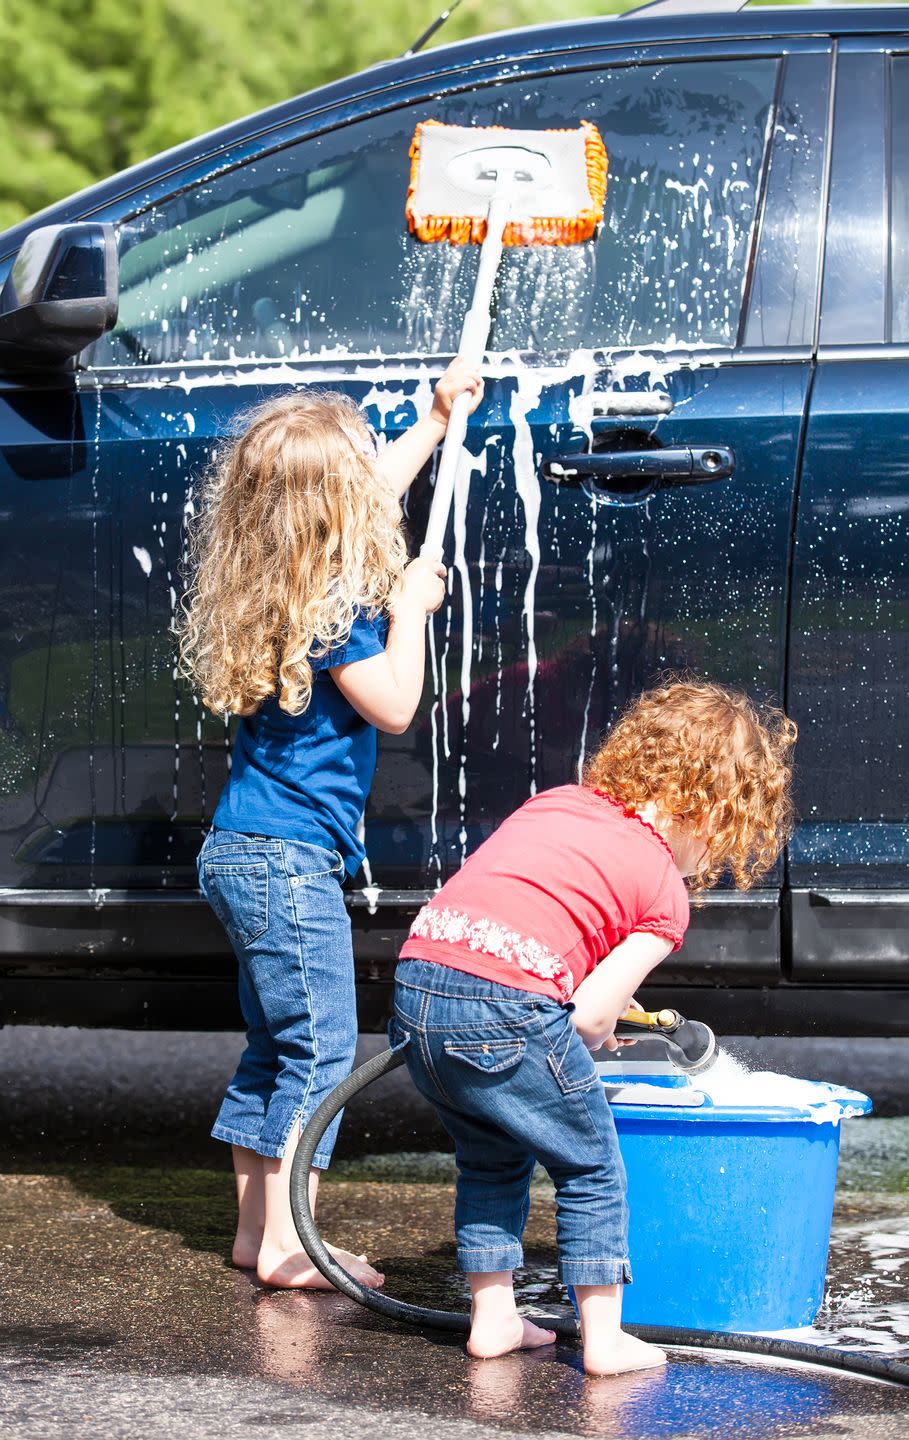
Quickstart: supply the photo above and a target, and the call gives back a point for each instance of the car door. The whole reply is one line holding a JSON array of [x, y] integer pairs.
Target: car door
[[684, 332], [696, 339], [849, 680], [716, 279]]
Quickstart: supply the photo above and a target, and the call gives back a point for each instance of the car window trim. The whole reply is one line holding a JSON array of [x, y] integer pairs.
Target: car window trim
[[892, 57], [189, 375], [757, 230], [540, 64], [882, 350]]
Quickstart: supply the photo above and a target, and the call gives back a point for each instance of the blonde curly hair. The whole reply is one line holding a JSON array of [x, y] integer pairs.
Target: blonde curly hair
[[295, 533], [709, 757]]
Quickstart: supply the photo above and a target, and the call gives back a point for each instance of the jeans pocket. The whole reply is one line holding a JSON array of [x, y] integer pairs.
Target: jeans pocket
[[398, 1038], [237, 891], [492, 1057], [311, 862], [571, 1062]]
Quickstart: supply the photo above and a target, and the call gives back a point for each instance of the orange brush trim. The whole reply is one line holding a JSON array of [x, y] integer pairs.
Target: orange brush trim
[[538, 230]]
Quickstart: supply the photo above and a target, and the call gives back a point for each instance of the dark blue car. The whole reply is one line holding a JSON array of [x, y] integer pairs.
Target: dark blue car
[[727, 372]]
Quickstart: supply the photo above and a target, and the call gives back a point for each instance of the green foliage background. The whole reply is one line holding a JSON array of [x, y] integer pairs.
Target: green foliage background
[[94, 85]]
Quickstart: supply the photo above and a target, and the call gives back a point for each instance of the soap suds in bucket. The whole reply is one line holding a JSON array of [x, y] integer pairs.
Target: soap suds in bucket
[[729, 1082]]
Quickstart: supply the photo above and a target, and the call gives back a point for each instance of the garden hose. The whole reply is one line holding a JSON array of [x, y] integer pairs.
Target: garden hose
[[877, 1367]]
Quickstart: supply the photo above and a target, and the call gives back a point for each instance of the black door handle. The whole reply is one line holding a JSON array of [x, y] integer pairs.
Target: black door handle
[[676, 465]]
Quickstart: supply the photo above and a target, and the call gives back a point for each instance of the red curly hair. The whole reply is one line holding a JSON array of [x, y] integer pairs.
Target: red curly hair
[[708, 757]]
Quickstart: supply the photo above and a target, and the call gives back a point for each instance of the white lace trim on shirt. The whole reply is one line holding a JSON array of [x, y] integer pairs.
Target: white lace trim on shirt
[[453, 927]]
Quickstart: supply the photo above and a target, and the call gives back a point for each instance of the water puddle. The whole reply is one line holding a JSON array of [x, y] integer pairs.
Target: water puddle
[[155, 1321], [866, 1300]]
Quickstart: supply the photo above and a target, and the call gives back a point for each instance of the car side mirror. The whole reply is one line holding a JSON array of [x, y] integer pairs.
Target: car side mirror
[[61, 294]]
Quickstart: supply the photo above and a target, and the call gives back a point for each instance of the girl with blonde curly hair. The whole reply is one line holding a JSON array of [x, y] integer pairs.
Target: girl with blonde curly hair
[[304, 619], [523, 962]]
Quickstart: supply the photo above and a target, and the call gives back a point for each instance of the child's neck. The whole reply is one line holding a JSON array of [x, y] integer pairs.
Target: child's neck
[[651, 812], [687, 849]]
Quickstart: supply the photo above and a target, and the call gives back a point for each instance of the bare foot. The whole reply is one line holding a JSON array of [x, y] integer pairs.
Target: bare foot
[[296, 1271], [489, 1339], [245, 1252], [615, 1354]]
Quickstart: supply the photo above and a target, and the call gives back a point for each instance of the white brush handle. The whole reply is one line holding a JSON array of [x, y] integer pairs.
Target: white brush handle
[[471, 348]]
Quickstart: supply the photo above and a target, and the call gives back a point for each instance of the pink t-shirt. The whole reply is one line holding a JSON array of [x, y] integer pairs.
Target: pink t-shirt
[[561, 882]]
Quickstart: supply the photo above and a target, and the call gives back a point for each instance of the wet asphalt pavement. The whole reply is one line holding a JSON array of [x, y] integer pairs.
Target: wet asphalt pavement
[[120, 1315]]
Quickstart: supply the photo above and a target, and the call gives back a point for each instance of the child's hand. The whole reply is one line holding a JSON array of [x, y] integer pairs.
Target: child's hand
[[592, 1026], [630, 1004], [399, 462], [457, 378], [594, 1038], [598, 1030], [424, 583]]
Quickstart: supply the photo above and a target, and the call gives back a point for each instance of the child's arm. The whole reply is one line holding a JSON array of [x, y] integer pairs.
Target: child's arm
[[400, 461], [606, 992], [386, 688]]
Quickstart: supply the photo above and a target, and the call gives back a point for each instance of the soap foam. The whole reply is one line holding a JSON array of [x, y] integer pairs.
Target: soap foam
[[729, 1082]]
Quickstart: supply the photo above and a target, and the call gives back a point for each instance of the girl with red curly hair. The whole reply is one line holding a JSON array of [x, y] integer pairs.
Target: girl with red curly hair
[[523, 962]]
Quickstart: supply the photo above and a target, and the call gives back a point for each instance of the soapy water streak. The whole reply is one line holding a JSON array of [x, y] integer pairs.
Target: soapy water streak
[[392, 399], [537, 288], [467, 468], [387, 399], [526, 398]]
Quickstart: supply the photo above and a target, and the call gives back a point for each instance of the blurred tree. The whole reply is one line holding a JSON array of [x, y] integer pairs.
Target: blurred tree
[[95, 85]]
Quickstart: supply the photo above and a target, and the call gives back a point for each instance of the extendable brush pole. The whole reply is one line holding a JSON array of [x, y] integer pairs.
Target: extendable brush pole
[[471, 349], [470, 184]]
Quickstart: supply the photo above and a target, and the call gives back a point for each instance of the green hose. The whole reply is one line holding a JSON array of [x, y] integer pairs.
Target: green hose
[[878, 1367]]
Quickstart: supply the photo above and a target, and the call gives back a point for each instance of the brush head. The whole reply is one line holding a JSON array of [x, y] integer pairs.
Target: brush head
[[555, 181]]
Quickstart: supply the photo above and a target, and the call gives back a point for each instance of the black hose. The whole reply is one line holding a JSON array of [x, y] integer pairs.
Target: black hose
[[878, 1367]]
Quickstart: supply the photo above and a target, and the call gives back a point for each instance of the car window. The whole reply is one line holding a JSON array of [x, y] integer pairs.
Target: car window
[[783, 295], [899, 201], [853, 304], [305, 251]]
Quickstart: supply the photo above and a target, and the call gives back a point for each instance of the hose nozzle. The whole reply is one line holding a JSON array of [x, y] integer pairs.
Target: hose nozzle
[[690, 1044]]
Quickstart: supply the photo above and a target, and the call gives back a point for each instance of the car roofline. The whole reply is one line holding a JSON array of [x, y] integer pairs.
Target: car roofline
[[499, 47]]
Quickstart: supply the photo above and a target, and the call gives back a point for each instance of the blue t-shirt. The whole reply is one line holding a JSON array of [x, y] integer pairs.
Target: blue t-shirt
[[306, 777]]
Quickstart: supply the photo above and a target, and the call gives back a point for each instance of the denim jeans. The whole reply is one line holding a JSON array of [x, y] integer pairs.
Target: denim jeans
[[281, 903], [513, 1083]]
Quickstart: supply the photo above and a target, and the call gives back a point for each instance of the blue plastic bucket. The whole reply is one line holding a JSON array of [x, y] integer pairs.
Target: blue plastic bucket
[[730, 1207]]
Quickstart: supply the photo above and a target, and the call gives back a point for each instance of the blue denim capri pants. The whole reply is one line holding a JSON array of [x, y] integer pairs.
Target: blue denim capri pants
[[282, 906], [513, 1083]]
